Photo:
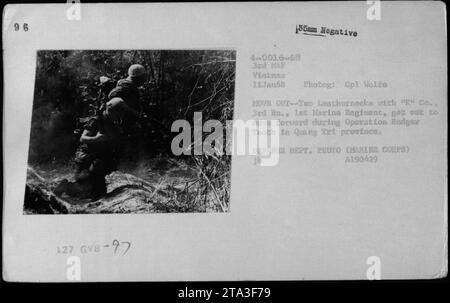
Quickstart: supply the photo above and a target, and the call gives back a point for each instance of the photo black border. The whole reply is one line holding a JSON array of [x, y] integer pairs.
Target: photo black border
[[294, 291]]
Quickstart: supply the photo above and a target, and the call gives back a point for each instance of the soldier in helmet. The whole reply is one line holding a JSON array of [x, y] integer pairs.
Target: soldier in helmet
[[103, 136], [123, 105], [123, 111]]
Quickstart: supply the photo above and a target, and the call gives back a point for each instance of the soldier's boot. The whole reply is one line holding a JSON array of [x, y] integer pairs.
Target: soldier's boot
[[78, 189], [61, 187], [99, 188]]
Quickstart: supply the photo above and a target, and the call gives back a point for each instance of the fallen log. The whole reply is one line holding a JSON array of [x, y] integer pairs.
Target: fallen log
[[39, 197]]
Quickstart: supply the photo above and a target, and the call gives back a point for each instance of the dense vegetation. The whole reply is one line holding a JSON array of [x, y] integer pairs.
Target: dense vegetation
[[180, 83]]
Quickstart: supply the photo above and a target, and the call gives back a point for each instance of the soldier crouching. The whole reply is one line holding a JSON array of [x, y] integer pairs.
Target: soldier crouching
[[103, 135], [94, 159]]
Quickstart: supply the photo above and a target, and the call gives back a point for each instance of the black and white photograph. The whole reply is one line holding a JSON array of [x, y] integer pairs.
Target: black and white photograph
[[101, 134], [249, 142]]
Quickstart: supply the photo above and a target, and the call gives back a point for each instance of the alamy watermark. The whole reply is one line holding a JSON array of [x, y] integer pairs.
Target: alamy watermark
[[374, 10], [73, 270], [374, 270], [237, 137], [73, 12]]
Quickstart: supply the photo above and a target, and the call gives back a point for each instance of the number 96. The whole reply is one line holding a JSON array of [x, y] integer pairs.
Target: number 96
[[17, 27]]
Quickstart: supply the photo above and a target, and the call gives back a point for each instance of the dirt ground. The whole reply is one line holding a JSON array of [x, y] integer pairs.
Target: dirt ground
[[150, 186]]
